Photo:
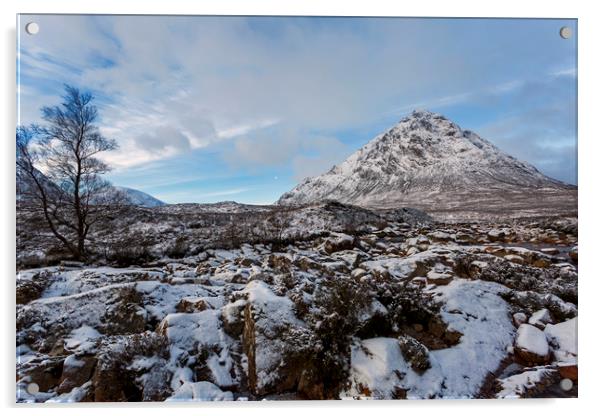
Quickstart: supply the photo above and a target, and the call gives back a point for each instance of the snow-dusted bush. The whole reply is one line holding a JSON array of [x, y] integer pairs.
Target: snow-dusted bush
[[338, 306], [178, 249], [132, 249]]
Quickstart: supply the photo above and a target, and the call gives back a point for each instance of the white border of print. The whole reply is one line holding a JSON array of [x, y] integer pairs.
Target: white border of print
[[589, 186]]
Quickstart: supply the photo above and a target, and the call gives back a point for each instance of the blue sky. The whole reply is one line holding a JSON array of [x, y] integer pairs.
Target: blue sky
[[207, 109]]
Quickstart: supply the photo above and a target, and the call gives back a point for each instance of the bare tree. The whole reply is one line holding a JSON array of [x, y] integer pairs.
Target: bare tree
[[60, 172]]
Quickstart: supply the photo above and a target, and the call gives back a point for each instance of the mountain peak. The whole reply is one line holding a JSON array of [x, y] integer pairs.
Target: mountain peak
[[428, 122], [424, 160], [423, 113]]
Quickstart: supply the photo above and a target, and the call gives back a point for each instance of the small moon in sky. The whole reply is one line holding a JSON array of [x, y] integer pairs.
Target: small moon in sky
[[275, 178]]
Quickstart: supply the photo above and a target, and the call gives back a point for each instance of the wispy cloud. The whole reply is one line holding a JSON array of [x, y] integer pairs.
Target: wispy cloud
[[455, 99], [566, 72], [225, 192], [540, 126], [234, 131]]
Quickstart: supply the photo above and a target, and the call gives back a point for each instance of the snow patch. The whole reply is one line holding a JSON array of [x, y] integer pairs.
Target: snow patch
[[200, 391]]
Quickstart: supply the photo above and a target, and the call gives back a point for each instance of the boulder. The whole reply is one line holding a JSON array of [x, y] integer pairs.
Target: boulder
[[568, 370], [352, 257], [464, 238], [306, 264], [248, 262], [112, 309], [122, 360], [562, 337], [276, 343], [338, 242], [528, 382], [28, 290], [439, 275], [540, 262], [199, 348], [280, 262], [444, 335], [531, 345], [46, 374], [125, 315], [541, 318], [415, 353], [358, 273], [519, 318], [476, 267], [412, 251], [233, 317], [76, 372], [514, 258], [439, 278], [204, 269], [191, 304], [496, 235], [531, 301], [440, 236]]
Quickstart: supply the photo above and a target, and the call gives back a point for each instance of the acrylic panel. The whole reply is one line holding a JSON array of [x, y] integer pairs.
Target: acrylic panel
[[289, 208]]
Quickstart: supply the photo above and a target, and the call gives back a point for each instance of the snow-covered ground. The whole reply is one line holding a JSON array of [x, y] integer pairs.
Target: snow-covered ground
[[396, 310]]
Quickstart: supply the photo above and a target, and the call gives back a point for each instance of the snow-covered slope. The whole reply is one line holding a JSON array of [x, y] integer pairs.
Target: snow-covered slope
[[139, 198], [429, 162]]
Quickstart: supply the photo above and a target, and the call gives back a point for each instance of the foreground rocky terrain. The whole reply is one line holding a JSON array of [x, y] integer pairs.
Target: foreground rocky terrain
[[401, 307]]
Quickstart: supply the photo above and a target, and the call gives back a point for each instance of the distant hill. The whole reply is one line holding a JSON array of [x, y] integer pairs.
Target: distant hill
[[139, 198], [131, 196]]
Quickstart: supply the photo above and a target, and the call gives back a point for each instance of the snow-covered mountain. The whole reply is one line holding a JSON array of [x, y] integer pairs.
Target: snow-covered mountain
[[139, 198], [131, 196], [427, 161]]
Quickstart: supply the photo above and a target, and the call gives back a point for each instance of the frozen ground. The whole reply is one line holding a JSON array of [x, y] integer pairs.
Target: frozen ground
[[401, 308]]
